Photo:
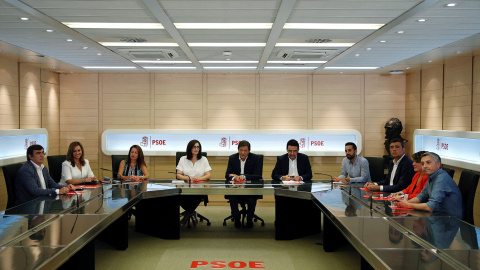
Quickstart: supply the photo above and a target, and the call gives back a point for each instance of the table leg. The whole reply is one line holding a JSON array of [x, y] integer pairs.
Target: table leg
[[295, 218], [159, 217], [116, 234], [83, 259]]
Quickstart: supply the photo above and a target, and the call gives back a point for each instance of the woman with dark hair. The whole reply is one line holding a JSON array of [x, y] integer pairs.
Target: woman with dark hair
[[419, 180], [192, 167], [134, 167], [76, 169]]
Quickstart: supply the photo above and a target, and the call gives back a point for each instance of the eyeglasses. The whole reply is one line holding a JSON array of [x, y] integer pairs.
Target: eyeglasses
[[196, 147]]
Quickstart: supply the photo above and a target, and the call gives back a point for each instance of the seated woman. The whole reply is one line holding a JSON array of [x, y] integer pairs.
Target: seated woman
[[419, 180], [76, 169], [192, 167], [134, 167]]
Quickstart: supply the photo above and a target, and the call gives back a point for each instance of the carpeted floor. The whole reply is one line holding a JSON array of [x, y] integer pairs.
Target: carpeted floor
[[227, 244]]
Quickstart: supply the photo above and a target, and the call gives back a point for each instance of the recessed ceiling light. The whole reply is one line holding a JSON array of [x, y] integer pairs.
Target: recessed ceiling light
[[223, 25], [85, 48], [226, 44], [296, 62], [341, 72], [142, 44], [24, 19], [290, 67], [407, 68], [429, 61], [314, 44], [400, 32], [421, 20], [30, 59], [332, 26], [161, 62], [49, 30], [357, 54], [383, 41], [459, 52], [69, 40], [228, 62], [350, 67], [368, 49], [106, 67], [99, 54], [114, 25], [451, 4]]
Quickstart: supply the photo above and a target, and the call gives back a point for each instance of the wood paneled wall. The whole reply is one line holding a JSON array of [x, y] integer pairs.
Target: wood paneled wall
[[29, 98]]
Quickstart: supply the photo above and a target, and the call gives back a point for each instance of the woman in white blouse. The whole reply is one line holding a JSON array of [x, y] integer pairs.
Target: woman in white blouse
[[192, 167], [76, 169]]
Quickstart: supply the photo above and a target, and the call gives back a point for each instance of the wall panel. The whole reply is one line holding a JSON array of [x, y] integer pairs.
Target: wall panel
[[431, 107], [476, 94], [412, 106]]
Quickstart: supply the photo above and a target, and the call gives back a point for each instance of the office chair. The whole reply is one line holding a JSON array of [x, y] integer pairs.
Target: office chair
[[468, 186], [243, 204], [10, 173], [450, 171], [116, 159], [205, 198], [376, 167], [55, 166]]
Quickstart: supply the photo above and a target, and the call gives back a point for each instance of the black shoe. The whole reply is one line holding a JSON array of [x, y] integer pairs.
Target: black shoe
[[249, 223], [238, 224]]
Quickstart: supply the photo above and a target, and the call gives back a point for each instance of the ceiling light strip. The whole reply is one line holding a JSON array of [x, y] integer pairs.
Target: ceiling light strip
[[229, 62], [223, 25], [314, 44], [226, 44], [139, 44], [97, 25], [106, 67], [346, 68], [287, 67], [333, 26], [161, 62], [296, 62]]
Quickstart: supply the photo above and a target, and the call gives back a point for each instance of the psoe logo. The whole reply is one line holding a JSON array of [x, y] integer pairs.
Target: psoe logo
[[223, 142], [223, 264], [144, 142], [159, 142], [441, 146], [302, 143], [317, 143], [26, 144], [235, 142]]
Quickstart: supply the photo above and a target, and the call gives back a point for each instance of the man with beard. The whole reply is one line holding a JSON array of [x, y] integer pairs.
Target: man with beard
[[354, 167]]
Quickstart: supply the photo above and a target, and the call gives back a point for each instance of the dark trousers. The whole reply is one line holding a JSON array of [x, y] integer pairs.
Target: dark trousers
[[250, 200], [190, 202]]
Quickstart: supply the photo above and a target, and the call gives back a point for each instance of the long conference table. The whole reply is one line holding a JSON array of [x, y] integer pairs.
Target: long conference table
[[58, 232]]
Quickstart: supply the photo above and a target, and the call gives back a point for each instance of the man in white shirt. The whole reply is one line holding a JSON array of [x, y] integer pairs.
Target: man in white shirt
[[400, 172], [33, 179]]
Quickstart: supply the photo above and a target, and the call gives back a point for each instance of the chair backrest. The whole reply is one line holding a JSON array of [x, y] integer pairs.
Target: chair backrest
[[181, 154], [260, 160], [375, 164], [468, 186], [55, 166], [10, 173], [450, 171], [116, 159]]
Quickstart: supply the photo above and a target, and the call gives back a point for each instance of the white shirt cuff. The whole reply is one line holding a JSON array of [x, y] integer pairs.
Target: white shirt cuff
[[57, 191]]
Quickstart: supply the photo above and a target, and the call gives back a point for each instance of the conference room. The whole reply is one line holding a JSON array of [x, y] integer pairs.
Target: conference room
[[158, 74]]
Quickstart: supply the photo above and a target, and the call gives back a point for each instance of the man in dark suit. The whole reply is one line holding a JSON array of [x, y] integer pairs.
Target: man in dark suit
[[400, 172], [293, 165], [243, 166], [33, 179]]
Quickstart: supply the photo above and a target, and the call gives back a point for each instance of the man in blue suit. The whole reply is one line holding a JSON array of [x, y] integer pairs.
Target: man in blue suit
[[400, 172], [293, 165], [33, 179], [243, 166]]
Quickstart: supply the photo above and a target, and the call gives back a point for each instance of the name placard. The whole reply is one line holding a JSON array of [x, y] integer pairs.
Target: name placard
[[14, 143], [456, 148], [225, 142]]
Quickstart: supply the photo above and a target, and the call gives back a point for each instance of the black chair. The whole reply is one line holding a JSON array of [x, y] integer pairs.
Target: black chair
[[10, 173], [376, 167], [205, 198], [116, 159], [450, 171], [55, 166], [243, 204], [468, 186]]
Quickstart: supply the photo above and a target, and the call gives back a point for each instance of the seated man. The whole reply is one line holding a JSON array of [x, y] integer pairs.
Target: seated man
[[354, 167], [293, 165], [440, 194], [243, 166], [400, 172], [33, 179]]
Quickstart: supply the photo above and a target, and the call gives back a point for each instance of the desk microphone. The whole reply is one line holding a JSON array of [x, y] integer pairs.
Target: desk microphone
[[331, 177], [116, 173]]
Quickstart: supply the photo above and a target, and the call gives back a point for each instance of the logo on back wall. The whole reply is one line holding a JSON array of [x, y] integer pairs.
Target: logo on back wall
[[441, 146], [223, 142], [144, 142], [26, 144]]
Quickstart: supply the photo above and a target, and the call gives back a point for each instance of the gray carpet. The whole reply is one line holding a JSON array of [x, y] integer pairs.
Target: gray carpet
[[228, 244]]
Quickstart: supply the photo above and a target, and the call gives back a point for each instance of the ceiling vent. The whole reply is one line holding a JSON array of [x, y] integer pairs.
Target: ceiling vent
[[304, 54], [146, 54]]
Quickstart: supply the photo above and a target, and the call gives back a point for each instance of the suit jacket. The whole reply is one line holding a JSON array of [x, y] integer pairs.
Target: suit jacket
[[303, 167], [252, 167], [403, 176], [27, 183]]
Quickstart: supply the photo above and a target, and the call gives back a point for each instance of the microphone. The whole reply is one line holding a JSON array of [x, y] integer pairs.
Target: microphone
[[116, 173], [76, 194], [331, 177]]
